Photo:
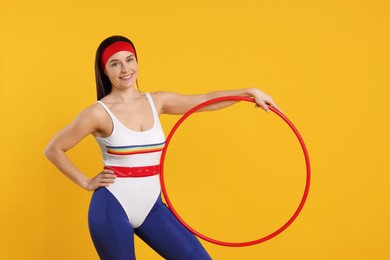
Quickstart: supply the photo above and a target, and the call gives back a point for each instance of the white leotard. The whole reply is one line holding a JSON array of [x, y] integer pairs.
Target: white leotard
[[129, 148]]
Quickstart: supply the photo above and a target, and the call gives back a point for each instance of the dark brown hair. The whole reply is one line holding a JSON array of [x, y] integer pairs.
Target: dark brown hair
[[103, 84]]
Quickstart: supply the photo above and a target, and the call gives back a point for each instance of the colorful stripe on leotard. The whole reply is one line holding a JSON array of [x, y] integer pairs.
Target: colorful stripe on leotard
[[135, 149]]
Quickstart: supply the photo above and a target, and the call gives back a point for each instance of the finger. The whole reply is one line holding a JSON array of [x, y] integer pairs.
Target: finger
[[271, 103], [109, 175], [101, 181], [263, 105], [108, 179]]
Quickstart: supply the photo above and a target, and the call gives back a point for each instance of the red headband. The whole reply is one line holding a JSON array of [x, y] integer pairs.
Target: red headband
[[114, 48]]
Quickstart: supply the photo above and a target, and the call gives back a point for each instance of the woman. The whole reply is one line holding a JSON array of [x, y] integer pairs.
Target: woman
[[125, 123]]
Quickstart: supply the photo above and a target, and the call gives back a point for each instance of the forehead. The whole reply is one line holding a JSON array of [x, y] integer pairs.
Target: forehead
[[121, 55]]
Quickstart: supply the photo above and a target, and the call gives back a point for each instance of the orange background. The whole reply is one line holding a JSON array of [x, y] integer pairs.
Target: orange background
[[326, 63]]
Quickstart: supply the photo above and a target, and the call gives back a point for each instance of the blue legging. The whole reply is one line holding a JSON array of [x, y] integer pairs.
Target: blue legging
[[113, 235]]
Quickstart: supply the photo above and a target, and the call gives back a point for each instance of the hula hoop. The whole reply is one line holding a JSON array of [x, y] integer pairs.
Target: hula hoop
[[209, 239]]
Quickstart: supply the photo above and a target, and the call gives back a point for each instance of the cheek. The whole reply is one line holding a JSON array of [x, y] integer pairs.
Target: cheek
[[110, 72]]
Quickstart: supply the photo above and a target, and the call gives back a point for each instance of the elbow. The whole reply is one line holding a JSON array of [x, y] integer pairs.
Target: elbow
[[48, 151]]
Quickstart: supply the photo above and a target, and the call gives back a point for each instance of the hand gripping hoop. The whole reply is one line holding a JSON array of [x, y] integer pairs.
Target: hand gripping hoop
[[223, 243]]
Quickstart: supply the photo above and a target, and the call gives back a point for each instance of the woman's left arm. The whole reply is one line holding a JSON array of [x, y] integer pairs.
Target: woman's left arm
[[177, 104]]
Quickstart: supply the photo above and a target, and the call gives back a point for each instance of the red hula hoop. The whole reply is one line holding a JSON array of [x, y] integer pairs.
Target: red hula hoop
[[235, 244]]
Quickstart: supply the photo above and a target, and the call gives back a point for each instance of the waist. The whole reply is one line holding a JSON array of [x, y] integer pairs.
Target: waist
[[144, 171]]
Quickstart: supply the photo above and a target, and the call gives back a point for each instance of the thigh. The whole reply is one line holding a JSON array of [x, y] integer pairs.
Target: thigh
[[110, 229], [168, 237]]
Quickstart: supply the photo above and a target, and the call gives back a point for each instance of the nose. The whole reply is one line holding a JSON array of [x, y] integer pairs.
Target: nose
[[124, 68]]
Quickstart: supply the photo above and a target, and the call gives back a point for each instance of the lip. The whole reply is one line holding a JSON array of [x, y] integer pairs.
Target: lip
[[127, 77]]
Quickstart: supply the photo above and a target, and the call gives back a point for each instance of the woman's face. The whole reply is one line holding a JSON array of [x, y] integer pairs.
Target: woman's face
[[122, 69]]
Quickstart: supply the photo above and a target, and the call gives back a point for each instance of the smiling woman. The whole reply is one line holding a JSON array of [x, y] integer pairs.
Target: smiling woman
[[125, 123], [121, 68], [106, 52]]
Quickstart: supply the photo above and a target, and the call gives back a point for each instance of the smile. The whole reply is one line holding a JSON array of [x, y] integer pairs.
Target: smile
[[126, 77]]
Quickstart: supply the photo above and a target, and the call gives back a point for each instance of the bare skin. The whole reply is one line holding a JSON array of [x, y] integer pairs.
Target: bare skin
[[132, 108]]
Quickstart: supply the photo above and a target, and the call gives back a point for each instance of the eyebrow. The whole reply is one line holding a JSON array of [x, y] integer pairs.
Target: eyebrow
[[131, 55]]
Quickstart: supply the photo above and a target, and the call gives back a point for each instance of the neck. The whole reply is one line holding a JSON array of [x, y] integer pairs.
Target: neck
[[124, 95]]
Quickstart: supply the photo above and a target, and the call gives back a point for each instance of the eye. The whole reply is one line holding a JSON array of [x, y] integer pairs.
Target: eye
[[130, 59], [114, 64]]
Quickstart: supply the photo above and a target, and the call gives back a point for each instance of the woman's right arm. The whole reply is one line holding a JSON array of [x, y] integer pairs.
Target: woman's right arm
[[87, 122]]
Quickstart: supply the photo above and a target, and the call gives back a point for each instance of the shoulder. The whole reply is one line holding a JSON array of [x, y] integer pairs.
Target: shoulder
[[161, 95], [91, 120], [92, 116], [162, 98], [94, 111], [166, 96], [175, 103]]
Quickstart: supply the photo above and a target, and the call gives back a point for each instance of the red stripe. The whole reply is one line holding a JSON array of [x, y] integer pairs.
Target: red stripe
[[136, 152], [144, 171]]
